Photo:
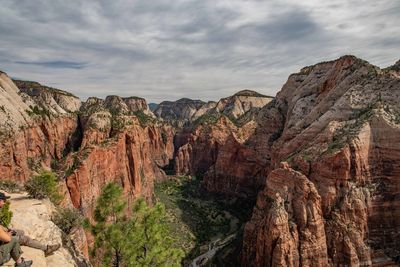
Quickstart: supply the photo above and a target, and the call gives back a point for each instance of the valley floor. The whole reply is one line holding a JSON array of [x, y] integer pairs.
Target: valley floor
[[200, 223]]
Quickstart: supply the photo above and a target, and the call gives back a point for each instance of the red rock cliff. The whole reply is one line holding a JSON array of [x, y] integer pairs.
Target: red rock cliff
[[120, 148], [323, 207], [33, 132]]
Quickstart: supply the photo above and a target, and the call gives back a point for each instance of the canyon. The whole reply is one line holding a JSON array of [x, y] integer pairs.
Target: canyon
[[318, 164]]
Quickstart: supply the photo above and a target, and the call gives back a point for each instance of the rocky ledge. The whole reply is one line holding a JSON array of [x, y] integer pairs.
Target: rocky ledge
[[34, 218]]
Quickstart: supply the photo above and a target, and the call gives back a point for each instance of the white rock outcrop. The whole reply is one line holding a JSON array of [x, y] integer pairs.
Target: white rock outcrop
[[34, 217]]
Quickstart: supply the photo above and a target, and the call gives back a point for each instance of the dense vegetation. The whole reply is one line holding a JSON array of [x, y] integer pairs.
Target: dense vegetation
[[67, 219]]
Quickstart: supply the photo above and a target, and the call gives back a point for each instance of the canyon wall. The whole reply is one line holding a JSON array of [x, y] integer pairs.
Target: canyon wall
[[117, 146], [331, 194], [33, 134]]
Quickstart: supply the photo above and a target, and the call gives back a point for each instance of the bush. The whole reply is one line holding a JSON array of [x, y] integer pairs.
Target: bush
[[10, 186], [67, 219], [44, 185], [5, 215]]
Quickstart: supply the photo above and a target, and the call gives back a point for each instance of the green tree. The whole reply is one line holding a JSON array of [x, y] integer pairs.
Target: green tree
[[141, 240], [44, 185], [110, 225], [151, 243]]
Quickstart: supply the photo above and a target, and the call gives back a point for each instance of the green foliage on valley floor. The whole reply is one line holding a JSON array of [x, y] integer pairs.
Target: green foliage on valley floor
[[142, 239], [195, 219]]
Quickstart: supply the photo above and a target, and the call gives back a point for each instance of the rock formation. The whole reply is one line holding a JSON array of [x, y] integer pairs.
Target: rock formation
[[36, 126], [186, 111], [117, 146], [320, 207], [180, 112]]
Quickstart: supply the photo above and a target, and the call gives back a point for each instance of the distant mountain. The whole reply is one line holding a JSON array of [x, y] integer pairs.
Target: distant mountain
[[185, 111]]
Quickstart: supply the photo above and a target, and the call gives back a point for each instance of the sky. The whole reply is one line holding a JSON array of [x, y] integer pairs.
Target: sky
[[206, 49]]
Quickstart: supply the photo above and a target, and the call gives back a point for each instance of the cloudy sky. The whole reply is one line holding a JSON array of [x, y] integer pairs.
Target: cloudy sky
[[206, 49]]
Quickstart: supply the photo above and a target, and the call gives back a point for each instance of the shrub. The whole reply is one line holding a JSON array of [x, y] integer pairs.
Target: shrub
[[10, 186], [67, 219], [43, 185], [5, 215]]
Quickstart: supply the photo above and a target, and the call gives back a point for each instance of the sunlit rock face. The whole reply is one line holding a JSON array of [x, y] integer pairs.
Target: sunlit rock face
[[37, 125]]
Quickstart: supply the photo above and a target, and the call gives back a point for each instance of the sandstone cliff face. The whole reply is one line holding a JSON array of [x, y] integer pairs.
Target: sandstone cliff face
[[223, 137], [32, 132], [320, 208], [200, 147], [116, 147]]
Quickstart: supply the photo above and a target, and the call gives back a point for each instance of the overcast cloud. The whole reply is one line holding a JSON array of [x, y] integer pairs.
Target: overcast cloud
[[206, 49]]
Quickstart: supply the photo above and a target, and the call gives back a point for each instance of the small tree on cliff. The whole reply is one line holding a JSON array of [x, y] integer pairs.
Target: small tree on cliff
[[142, 240]]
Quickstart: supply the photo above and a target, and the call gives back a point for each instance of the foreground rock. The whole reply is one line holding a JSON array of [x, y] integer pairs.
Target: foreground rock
[[34, 217]]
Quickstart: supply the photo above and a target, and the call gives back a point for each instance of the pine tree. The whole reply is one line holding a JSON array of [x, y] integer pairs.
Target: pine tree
[[110, 223], [150, 241], [141, 240]]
